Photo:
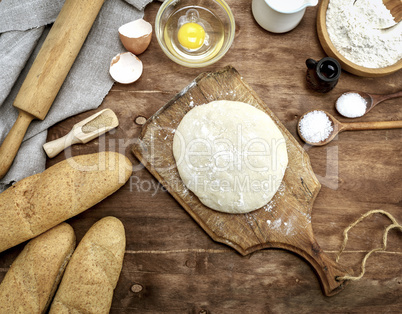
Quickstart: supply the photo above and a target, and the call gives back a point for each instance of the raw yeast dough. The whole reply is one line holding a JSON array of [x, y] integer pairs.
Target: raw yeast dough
[[231, 155]]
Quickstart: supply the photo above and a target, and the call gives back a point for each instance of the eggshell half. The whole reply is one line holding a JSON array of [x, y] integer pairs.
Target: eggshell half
[[125, 68], [136, 36]]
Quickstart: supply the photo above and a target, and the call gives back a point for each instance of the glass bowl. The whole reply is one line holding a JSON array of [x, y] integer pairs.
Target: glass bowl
[[216, 19]]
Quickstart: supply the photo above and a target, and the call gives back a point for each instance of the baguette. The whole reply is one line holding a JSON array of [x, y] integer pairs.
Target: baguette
[[32, 279], [42, 201], [93, 271]]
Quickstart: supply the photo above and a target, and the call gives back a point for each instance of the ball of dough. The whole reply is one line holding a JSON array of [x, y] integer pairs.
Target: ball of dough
[[231, 155]]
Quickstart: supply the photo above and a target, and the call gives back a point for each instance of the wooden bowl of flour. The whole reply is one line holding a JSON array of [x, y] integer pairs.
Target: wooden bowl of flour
[[347, 65]]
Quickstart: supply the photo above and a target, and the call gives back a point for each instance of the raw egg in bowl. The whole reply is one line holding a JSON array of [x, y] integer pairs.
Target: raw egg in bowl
[[195, 34]]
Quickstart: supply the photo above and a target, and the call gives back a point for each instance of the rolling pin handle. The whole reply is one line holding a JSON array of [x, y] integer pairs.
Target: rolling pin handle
[[13, 140]]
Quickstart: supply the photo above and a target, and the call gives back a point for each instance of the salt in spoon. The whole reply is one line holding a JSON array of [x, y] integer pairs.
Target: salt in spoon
[[338, 127], [372, 100]]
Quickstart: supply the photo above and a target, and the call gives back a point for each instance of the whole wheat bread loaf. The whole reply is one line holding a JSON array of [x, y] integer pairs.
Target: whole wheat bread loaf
[[91, 275], [32, 279], [42, 201]]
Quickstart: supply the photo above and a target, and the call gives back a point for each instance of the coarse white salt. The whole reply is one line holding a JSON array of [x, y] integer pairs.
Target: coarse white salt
[[315, 126], [351, 105]]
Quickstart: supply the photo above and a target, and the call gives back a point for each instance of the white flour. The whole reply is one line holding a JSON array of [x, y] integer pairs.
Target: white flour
[[354, 28]]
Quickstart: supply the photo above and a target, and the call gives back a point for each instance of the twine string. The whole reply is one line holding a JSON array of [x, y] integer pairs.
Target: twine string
[[394, 225]]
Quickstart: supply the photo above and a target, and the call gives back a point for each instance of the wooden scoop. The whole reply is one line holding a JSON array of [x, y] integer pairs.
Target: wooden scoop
[[84, 131], [338, 127], [373, 100], [395, 7], [48, 71]]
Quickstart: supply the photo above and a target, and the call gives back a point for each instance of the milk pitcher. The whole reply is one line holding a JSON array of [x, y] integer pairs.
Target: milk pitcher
[[280, 16]]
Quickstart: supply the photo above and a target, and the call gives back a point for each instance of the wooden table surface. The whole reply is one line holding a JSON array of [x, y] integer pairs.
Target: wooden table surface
[[172, 266]]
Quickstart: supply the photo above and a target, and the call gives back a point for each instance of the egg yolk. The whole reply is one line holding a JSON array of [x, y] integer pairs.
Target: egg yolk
[[191, 35]]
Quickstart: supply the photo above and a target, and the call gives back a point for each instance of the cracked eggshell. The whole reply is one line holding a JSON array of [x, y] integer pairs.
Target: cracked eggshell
[[125, 68], [136, 36]]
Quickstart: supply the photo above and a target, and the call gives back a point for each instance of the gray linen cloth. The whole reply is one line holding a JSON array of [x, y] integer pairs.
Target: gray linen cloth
[[23, 28]]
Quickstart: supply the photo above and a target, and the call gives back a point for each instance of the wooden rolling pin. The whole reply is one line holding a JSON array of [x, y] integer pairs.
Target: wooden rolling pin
[[48, 71]]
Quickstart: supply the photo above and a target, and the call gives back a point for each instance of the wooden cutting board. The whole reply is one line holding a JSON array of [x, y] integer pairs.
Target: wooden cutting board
[[285, 222]]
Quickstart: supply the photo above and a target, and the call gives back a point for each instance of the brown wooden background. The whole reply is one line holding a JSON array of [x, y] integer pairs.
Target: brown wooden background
[[172, 266]]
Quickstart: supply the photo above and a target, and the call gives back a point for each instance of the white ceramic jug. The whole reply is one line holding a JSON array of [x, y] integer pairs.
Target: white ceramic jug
[[280, 16]]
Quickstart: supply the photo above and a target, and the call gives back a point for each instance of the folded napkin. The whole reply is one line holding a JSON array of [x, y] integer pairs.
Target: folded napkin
[[23, 28]]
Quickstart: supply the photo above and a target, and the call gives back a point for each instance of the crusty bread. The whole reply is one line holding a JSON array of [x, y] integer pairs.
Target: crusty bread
[[40, 202], [32, 279], [93, 271]]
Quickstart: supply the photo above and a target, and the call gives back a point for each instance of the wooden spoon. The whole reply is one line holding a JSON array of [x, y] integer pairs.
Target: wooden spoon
[[338, 127], [372, 100]]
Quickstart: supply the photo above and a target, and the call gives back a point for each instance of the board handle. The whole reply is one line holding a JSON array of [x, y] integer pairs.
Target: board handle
[[328, 271], [13, 140]]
